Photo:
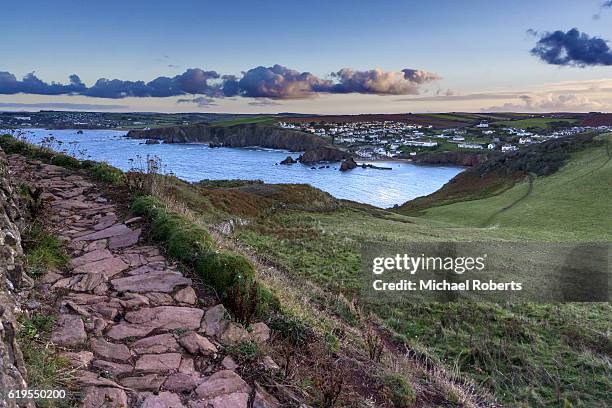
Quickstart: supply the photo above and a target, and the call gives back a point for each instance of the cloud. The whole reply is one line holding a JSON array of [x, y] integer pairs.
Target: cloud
[[200, 101], [571, 48], [549, 103], [379, 82], [275, 82], [10, 85], [264, 102], [62, 105]]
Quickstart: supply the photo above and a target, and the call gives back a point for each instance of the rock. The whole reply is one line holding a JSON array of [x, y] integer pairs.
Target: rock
[[114, 369], [164, 281], [70, 331], [117, 229], [110, 351], [232, 333], [88, 379], [151, 382], [348, 164], [263, 399], [260, 333], [186, 295], [167, 317], [183, 383], [125, 240], [325, 153], [163, 400], [159, 299], [288, 160], [133, 220], [152, 141], [88, 282], [158, 363], [229, 363], [235, 400], [221, 383], [270, 364], [104, 397], [95, 255], [133, 301], [212, 320], [161, 343], [124, 330], [196, 344], [187, 365], [78, 360], [108, 267], [50, 277]]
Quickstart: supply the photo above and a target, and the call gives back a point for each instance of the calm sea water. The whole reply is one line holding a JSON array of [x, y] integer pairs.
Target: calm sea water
[[193, 162]]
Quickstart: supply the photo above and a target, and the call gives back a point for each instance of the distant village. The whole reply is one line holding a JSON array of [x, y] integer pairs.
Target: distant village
[[388, 139]]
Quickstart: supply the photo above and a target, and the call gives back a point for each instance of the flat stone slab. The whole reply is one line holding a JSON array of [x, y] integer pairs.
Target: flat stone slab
[[95, 255], [104, 397], [222, 383], [105, 222], [110, 351], [164, 281], [115, 369], [117, 229], [125, 330], [108, 267], [162, 343], [167, 317], [69, 331], [124, 240], [196, 344], [151, 382], [163, 400], [158, 363]]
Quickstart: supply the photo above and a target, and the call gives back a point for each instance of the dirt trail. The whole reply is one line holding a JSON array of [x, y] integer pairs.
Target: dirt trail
[[127, 319]]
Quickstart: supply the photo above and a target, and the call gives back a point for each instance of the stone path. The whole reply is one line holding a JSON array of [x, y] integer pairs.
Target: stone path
[[128, 319]]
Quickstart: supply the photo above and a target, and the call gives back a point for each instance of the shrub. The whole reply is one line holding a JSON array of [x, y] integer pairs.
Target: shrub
[[106, 173], [401, 393], [65, 161]]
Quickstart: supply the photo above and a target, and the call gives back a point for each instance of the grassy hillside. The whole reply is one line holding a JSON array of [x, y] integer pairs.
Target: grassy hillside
[[569, 205], [539, 123]]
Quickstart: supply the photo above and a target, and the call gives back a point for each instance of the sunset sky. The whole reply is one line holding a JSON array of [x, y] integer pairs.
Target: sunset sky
[[311, 57]]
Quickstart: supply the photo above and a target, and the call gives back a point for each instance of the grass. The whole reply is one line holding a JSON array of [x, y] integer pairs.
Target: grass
[[526, 354], [568, 205], [267, 120], [46, 370], [537, 123], [43, 250]]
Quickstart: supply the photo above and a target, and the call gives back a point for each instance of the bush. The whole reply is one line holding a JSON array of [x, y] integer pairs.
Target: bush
[[106, 173], [401, 393]]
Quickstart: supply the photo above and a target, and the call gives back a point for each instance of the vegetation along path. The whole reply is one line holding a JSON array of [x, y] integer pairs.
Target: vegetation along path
[[127, 320]]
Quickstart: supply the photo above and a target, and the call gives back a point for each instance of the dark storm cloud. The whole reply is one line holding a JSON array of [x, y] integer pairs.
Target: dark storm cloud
[[61, 105], [275, 82], [31, 84], [571, 48], [192, 81]]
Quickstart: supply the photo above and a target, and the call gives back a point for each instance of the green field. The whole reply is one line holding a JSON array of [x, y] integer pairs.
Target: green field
[[526, 354], [263, 120], [540, 123]]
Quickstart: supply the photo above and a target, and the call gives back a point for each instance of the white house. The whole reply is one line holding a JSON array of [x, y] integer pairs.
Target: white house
[[491, 146], [509, 148], [482, 125], [469, 146]]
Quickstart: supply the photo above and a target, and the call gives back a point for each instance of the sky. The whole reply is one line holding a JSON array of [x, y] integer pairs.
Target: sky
[[313, 57]]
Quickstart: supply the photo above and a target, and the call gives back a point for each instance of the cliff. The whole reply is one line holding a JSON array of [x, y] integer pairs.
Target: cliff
[[316, 149], [452, 158], [12, 369]]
